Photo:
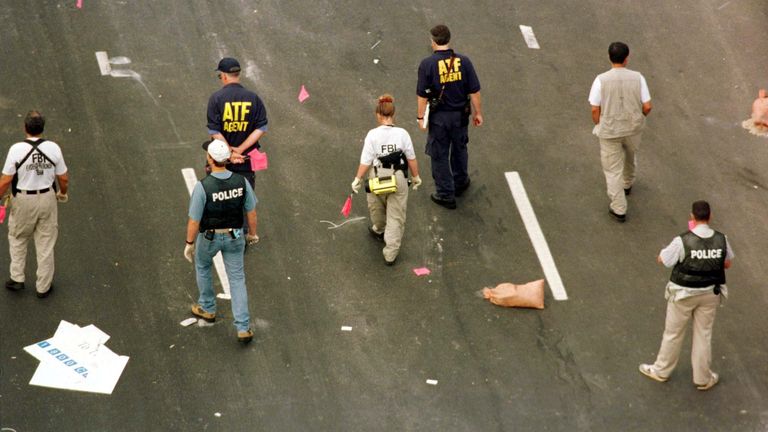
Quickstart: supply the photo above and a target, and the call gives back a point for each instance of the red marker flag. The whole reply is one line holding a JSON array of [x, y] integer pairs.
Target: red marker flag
[[347, 207], [258, 160], [2, 214]]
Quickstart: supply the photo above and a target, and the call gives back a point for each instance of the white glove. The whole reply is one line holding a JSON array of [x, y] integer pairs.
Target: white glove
[[62, 198], [189, 252], [416, 182], [356, 184], [251, 239]]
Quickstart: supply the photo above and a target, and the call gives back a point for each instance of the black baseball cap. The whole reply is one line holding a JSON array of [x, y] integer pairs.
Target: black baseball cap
[[228, 65]]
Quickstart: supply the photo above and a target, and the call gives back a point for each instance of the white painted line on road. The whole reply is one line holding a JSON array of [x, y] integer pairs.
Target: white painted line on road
[[218, 262], [536, 235], [530, 38], [103, 60]]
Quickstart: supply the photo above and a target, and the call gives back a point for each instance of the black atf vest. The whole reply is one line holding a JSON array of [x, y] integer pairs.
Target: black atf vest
[[224, 202], [704, 262]]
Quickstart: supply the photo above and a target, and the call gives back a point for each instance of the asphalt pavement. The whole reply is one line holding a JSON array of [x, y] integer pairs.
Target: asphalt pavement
[[569, 367]]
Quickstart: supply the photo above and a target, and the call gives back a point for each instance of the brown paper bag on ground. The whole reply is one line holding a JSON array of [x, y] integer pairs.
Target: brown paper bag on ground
[[530, 295]]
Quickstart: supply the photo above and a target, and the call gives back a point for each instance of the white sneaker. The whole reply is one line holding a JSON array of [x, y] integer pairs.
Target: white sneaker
[[712, 381], [648, 371]]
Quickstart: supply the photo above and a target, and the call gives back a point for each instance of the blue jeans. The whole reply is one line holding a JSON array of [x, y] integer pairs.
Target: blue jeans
[[447, 146], [232, 252]]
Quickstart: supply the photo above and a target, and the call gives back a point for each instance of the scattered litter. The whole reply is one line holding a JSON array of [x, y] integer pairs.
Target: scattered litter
[[171, 347], [432, 382], [69, 129], [421, 271], [289, 278], [204, 323], [530, 38], [743, 412], [755, 186], [334, 226], [303, 94], [75, 358], [346, 328], [375, 61], [218, 414], [188, 322], [347, 207], [13, 357], [376, 44], [530, 295]]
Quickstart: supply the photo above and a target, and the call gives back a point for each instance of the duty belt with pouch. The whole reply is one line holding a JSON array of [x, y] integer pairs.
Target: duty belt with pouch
[[233, 232]]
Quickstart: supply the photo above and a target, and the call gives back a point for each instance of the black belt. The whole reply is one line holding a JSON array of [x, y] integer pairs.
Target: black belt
[[35, 192]]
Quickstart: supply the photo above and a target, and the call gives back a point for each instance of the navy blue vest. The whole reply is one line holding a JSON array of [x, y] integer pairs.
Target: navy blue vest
[[224, 202]]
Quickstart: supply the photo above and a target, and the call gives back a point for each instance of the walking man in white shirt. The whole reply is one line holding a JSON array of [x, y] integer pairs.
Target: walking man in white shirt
[[31, 169], [620, 101]]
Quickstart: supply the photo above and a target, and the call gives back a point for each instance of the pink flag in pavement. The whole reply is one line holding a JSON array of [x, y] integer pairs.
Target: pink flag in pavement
[[2, 214], [347, 207], [303, 94]]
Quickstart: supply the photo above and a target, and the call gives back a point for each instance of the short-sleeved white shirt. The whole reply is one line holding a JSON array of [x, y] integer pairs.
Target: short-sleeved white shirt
[[36, 172], [383, 140], [595, 95]]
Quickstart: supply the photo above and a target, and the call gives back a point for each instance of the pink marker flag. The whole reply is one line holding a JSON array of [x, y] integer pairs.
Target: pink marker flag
[[79, 4], [2, 214], [421, 271], [347, 207], [258, 160], [303, 94]]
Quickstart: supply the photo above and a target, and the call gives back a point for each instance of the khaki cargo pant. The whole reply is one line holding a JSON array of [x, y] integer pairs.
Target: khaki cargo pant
[[702, 308], [617, 156], [33, 216], [388, 213]]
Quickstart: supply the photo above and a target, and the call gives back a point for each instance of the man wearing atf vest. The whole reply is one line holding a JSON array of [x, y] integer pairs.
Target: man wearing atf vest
[[448, 85], [215, 220], [31, 169], [620, 102], [236, 116], [699, 257]]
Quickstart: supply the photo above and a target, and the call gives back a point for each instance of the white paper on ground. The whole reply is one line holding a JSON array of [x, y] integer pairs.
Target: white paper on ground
[[75, 358]]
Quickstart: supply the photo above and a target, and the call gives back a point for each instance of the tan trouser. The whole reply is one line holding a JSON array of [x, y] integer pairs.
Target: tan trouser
[[388, 213], [617, 156], [33, 216], [703, 309]]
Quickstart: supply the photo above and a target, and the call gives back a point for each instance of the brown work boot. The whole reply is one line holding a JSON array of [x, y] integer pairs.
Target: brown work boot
[[245, 336], [199, 312]]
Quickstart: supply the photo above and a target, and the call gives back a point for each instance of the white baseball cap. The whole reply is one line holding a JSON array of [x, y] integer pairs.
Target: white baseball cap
[[219, 150]]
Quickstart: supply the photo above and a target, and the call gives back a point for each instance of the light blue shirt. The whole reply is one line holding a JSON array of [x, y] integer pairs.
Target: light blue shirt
[[197, 201]]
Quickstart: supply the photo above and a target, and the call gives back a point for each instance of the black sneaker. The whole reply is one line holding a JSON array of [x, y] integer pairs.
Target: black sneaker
[[376, 235], [13, 285], [627, 191], [449, 204], [617, 217], [461, 189], [45, 294]]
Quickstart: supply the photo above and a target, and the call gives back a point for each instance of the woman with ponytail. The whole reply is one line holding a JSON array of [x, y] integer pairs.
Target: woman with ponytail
[[387, 151]]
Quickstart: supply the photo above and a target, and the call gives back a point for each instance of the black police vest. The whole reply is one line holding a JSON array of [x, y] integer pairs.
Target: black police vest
[[704, 262], [224, 202]]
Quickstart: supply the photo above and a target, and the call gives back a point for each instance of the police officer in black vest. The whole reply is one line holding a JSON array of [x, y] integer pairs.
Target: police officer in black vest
[[215, 225], [699, 257], [448, 84]]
